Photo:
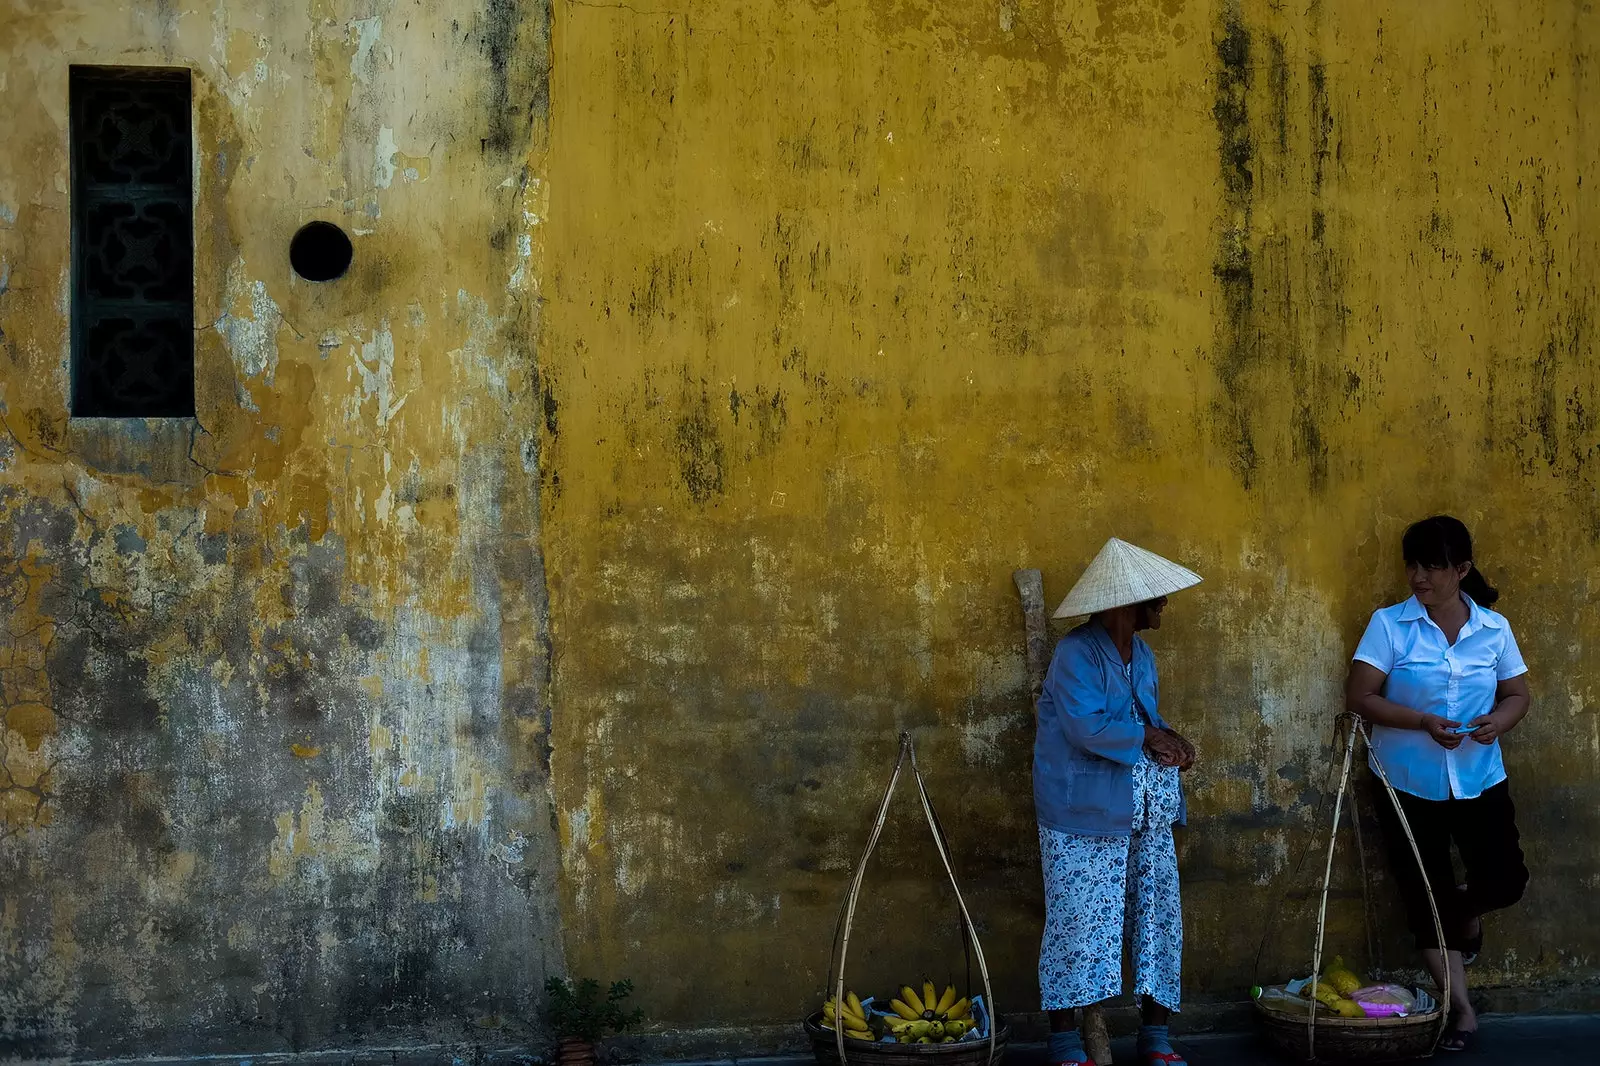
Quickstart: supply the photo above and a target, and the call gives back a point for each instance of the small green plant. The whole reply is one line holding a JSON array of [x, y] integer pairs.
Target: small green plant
[[581, 1010]]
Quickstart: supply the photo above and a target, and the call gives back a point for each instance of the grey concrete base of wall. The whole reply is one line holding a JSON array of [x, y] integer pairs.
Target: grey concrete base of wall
[[415, 1055], [775, 1042], [785, 1045], [692, 1047]]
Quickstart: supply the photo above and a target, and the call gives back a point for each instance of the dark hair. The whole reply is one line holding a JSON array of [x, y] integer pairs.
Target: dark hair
[[1442, 541]]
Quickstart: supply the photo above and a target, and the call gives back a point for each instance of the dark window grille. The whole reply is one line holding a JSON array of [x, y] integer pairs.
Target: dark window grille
[[132, 243]]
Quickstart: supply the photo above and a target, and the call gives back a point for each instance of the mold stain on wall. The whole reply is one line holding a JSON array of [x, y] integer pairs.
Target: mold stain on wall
[[1027, 275], [274, 771]]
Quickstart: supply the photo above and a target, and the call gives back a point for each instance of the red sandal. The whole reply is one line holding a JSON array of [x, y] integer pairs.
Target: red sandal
[[1162, 1058]]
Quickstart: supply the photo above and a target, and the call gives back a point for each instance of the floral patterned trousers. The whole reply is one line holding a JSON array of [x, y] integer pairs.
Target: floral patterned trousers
[[1093, 886]]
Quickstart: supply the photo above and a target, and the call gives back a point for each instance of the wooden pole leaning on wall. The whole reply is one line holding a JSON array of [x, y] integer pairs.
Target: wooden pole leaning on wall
[[1036, 626]]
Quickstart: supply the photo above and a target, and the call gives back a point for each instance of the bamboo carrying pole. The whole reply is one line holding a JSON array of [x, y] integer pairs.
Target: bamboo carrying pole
[[1356, 728], [847, 914], [1030, 587]]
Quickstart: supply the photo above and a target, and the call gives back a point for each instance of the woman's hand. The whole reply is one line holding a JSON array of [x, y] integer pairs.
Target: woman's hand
[[1510, 705], [1166, 747], [1442, 730], [1491, 727], [1188, 749]]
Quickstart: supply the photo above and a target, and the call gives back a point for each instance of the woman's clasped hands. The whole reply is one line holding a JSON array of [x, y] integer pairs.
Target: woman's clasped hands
[[1169, 748]]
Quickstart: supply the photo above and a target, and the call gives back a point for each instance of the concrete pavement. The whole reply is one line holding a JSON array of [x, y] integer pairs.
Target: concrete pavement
[[1504, 1040]]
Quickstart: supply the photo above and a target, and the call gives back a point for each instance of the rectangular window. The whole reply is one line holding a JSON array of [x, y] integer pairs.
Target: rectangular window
[[132, 243]]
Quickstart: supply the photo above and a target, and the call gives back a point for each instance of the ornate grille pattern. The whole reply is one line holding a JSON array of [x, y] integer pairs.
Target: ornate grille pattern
[[133, 243]]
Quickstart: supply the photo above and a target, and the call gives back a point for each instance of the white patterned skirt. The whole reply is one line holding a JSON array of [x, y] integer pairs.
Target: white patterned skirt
[[1096, 886]]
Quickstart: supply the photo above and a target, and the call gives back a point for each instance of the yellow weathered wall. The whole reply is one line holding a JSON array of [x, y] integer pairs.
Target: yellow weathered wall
[[273, 679], [854, 307], [776, 341]]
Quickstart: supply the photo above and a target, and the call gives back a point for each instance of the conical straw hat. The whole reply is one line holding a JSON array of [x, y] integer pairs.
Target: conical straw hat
[[1122, 574]]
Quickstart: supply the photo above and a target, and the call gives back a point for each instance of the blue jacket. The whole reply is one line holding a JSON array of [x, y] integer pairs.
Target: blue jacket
[[1091, 734]]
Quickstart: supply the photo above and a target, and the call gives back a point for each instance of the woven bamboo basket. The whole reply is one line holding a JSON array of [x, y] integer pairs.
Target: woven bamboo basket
[[834, 1048], [824, 1044], [1351, 1040], [1318, 1036]]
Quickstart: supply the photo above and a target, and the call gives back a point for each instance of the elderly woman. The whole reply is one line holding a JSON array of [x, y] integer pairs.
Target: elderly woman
[[1106, 792], [1440, 678]]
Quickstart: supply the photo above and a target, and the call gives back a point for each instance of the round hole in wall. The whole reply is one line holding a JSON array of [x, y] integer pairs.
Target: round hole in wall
[[320, 251]]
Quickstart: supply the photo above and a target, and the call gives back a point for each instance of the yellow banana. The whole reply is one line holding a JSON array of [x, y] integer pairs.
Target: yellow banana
[[852, 1019], [904, 1009], [946, 1001], [855, 1006], [930, 997], [858, 1034], [1327, 996], [909, 994], [961, 1008]]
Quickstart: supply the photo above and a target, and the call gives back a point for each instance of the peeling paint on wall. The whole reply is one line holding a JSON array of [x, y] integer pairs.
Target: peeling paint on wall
[[274, 770]]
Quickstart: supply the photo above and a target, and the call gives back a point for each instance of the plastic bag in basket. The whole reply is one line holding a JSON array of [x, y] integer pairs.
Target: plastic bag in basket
[[1385, 1001]]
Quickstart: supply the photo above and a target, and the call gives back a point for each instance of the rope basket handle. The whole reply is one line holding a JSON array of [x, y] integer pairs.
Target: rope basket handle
[[847, 913], [1358, 727]]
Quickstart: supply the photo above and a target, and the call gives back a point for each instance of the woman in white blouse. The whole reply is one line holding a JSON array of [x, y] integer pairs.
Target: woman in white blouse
[[1440, 679]]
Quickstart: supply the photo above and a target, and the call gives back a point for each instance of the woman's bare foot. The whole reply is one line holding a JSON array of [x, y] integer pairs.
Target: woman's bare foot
[[1462, 1030]]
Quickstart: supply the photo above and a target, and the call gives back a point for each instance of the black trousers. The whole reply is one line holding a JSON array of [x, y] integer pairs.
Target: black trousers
[[1484, 831]]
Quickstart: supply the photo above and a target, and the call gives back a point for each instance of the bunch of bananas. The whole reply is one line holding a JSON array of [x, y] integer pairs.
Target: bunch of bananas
[[930, 1018], [854, 1014]]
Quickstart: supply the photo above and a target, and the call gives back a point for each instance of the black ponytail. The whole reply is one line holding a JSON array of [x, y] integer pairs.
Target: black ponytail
[[1441, 542], [1482, 593]]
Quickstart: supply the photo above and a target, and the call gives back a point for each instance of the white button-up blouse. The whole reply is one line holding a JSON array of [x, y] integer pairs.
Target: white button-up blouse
[[1425, 672]]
